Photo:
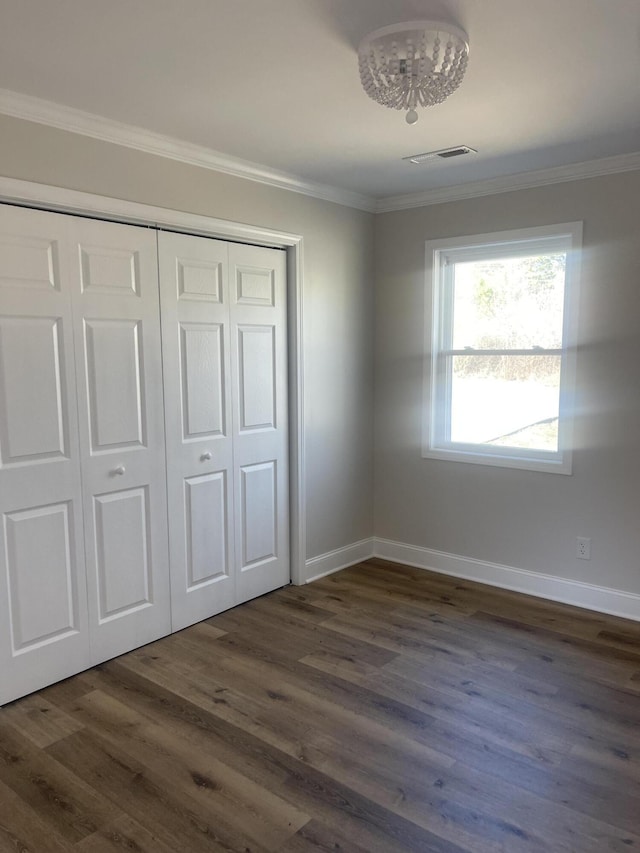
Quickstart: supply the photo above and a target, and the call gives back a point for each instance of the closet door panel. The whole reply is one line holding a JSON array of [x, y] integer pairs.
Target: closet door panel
[[196, 353], [117, 328], [259, 513], [38, 543], [115, 383], [257, 378], [43, 611], [260, 429], [203, 381], [123, 545], [31, 347], [206, 502]]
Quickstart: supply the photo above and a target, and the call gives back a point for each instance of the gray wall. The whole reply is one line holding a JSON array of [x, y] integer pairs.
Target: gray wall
[[519, 518], [524, 519], [337, 296]]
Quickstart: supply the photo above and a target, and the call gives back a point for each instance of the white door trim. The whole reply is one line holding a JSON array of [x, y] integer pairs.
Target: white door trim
[[72, 201]]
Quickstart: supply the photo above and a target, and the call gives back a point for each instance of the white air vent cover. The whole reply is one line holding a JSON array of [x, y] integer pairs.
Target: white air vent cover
[[443, 154]]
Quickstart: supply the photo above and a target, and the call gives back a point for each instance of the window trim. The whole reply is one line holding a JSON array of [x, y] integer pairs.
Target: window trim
[[514, 243]]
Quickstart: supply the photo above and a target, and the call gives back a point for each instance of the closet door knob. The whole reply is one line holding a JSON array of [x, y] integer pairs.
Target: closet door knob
[[205, 456], [119, 470]]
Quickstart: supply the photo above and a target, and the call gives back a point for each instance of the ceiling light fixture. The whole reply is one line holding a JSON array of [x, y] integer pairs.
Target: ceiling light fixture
[[417, 64]]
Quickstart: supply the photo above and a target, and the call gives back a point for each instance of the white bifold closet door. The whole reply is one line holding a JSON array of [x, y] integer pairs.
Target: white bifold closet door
[[43, 610], [119, 366], [225, 371], [84, 570], [112, 533], [258, 310]]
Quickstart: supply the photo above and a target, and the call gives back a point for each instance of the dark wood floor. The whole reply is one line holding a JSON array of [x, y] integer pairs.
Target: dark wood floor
[[380, 709]]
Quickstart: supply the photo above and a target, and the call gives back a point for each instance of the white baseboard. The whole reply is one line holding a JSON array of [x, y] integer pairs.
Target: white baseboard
[[341, 558], [599, 598]]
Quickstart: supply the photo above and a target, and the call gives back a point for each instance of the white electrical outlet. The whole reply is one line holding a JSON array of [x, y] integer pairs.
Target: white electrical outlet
[[583, 548]]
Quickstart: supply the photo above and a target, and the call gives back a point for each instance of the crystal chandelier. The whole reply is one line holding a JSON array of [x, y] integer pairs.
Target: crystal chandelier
[[417, 64]]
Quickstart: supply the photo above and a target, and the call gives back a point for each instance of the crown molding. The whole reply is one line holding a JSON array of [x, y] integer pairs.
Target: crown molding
[[26, 107], [511, 183]]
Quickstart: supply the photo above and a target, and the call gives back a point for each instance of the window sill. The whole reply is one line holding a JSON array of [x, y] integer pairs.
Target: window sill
[[561, 465]]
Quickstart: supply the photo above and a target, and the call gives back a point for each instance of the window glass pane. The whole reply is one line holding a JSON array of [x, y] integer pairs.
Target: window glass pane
[[506, 401], [509, 303]]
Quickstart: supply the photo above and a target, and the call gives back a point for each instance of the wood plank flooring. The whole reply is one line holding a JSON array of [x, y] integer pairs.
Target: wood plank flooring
[[380, 709]]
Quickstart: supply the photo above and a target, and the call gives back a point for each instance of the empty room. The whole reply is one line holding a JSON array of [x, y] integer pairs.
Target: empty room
[[319, 424]]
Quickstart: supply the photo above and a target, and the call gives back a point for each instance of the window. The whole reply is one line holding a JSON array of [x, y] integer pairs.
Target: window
[[499, 380]]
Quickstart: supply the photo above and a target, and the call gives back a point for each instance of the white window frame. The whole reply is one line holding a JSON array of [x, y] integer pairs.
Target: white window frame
[[440, 256]]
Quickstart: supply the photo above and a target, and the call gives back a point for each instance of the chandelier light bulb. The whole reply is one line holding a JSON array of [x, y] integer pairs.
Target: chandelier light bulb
[[417, 64]]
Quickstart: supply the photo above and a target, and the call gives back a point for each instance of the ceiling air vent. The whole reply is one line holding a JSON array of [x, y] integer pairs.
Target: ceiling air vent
[[443, 154]]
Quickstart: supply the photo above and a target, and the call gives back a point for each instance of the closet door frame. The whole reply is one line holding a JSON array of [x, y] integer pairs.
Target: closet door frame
[[29, 194]]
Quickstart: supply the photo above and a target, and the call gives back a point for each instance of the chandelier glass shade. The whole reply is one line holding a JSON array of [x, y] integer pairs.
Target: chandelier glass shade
[[416, 64]]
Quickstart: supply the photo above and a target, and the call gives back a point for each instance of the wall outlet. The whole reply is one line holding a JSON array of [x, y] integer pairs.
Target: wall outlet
[[583, 548]]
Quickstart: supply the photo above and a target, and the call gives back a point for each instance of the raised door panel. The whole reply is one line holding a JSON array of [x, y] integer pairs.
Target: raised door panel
[[259, 381], [198, 278], [41, 576], [255, 285], [206, 542], [33, 405], [203, 380], [43, 610], [196, 358], [259, 514], [115, 384], [117, 327], [122, 552], [29, 262], [106, 268]]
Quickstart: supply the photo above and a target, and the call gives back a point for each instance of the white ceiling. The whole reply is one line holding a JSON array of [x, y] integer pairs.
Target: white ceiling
[[550, 82]]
